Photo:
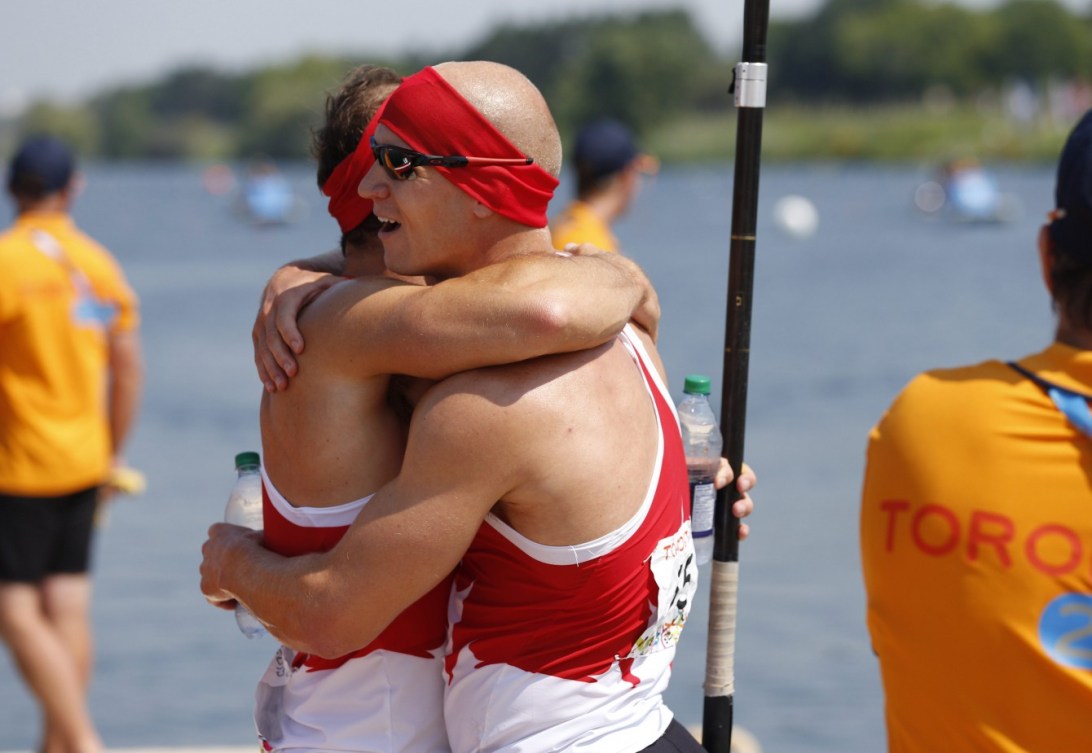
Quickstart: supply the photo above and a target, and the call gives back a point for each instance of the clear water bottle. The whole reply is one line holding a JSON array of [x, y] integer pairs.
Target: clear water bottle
[[244, 508], [702, 442]]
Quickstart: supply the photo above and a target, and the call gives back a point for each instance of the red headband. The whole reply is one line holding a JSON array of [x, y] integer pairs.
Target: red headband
[[431, 116], [346, 205]]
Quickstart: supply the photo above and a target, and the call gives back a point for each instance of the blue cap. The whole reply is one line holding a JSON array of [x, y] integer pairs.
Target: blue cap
[[44, 163], [1071, 229], [603, 147]]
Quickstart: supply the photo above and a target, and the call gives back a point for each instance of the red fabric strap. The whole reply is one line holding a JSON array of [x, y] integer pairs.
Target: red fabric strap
[[346, 204], [432, 117]]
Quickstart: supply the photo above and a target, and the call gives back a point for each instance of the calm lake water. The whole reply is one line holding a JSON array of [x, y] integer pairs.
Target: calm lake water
[[842, 319]]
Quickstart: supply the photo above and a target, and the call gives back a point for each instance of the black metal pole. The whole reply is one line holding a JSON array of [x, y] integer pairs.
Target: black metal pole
[[749, 87]]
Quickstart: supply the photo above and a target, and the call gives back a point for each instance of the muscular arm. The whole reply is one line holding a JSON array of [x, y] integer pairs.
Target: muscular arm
[[405, 541], [516, 309], [276, 337]]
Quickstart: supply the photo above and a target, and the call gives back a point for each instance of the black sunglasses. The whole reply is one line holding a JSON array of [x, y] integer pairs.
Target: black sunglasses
[[399, 161]]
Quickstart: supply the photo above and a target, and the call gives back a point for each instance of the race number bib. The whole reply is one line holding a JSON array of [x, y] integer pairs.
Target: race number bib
[[675, 569]]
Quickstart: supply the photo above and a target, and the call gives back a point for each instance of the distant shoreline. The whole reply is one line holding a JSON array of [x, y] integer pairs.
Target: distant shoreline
[[880, 133], [896, 133]]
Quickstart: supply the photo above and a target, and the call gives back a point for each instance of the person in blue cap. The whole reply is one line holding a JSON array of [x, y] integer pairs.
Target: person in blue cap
[[608, 167], [70, 383], [976, 537]]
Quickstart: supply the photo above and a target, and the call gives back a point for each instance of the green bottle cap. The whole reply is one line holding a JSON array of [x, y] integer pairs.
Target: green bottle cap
[[696, 384], [247, 458]]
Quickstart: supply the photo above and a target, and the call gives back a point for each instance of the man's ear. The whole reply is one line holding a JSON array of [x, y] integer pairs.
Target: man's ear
[[1046, 258]]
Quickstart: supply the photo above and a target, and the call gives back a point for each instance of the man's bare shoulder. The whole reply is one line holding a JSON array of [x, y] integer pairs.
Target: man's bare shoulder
[[525, 382], [492, 424], [347, 293], [557, 382], [336, 325], [525, 400], [543, 430], [324, 317]]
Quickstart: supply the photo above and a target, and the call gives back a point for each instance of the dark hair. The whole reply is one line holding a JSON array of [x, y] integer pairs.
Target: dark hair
[[29, 187], [1072, 283], [348, 111], [1070, 228]]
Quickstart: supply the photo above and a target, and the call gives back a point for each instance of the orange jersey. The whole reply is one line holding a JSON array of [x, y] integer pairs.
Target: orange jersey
[[61, 295], [579, 224], [976, 548]]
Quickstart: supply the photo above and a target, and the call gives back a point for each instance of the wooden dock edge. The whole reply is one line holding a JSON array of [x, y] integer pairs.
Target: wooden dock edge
[[742, 742]]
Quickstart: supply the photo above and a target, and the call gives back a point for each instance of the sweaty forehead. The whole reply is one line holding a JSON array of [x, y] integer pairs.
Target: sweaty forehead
[[384, 135]]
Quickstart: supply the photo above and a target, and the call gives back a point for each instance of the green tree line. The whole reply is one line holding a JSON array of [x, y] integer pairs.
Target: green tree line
[[653, 70], [867, 51]]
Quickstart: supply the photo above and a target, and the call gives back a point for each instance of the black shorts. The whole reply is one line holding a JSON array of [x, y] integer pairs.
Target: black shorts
[[42, 536], [675, 739]]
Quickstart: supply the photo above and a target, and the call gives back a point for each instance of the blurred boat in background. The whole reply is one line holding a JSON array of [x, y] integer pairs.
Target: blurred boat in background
[[964, 191], [264, 197], [267, 197]]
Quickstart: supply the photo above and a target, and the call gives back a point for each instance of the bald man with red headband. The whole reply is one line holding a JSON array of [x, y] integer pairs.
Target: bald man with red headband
[[555, 488]]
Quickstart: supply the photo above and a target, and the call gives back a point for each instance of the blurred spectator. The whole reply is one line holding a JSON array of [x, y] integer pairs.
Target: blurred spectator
[[608, 168], [70, 382]]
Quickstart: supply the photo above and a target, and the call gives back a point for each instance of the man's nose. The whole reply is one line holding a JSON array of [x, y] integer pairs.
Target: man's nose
[[373, 185]]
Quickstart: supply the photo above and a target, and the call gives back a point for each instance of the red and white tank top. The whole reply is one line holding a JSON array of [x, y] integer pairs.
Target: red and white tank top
[[289, 530], [569, 648], [384, 698]]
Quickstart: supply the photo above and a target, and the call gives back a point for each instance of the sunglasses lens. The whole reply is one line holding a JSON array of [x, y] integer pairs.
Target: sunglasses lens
[[399, 162]]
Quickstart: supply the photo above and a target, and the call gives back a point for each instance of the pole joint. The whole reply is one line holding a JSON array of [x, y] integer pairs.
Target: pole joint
[[749, 85]]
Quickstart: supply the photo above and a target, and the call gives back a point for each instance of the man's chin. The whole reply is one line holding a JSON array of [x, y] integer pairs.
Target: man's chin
[[398, 265], [399, 261]]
